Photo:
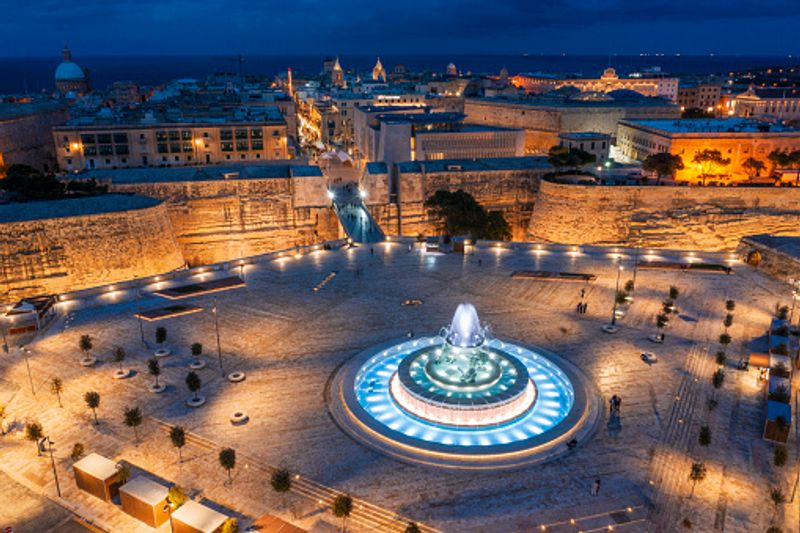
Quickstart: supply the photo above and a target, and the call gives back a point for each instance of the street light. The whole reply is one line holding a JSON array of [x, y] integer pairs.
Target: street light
[[25, 353], [216, 329], [616, 291], [139, 315], [46, 440]]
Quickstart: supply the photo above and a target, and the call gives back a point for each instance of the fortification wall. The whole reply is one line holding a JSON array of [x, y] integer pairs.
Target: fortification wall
[[221, 220], [701, 218], [54, 255]]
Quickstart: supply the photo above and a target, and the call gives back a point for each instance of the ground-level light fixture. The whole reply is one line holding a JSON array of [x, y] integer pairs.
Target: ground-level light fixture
[[362, 193]]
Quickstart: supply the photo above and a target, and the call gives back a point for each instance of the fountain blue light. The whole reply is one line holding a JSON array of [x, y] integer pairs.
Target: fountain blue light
[[554, 401]]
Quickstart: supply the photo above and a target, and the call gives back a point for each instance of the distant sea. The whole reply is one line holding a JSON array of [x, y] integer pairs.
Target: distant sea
[[31, 75]]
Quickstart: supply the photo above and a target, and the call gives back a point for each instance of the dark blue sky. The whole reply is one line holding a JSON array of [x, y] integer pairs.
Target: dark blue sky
[[132, 27]]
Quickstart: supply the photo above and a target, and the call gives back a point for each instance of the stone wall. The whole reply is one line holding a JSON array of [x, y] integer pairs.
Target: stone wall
[[26, 134], [701, 218], [54, 255], [226, 219], [779, 256]]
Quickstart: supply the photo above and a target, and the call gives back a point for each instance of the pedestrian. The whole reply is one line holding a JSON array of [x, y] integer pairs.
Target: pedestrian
[[578, 308], [371, 250], [596, 487], [480, 262], [583, 294], [619, 403]]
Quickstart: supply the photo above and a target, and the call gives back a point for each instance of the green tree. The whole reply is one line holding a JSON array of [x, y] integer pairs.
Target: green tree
[[342, 507], [85, 344], [231, 525], [154, 369], [33, 433], [561, 156], [227, 460], [161, 335], [28, 183], [778, 159], [177, 496], [119, 356], [57, 387], [718, 378], [753, 167], [458, 213], [133, 419], [725, 340], [697, 473], [193, 383], [721, 357], [728, 321], [673, 292], [178, 437], [281, 482], [412, 528], [704, 438], [777, 497], [709, 160], [663, 165], [92, 400], [730, 305], [197, 349]]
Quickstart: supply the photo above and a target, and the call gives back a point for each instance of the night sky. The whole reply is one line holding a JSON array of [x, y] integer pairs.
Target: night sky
[[198, 27]]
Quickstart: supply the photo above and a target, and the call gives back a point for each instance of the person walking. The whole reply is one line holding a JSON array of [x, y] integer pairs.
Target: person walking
[[596, 487]]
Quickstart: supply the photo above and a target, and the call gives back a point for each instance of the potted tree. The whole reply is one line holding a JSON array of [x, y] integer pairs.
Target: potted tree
[[85, 345], [154, 369], [118, 356], [197, 351], [193, 383], [161, 338]]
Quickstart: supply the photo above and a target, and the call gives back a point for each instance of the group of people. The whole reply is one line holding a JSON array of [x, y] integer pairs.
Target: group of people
[[582, 305]]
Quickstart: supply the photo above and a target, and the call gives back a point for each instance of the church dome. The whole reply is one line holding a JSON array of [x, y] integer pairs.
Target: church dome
[[68, 70]]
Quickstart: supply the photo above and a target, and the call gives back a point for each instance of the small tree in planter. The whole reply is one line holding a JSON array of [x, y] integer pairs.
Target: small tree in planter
[[133, 419], [782, 313], [718, 378], [92, 400], [721, 358], [197, 350], [154, 369], [673, 292], [730, 305], [57, 387], [777, 497], [161, 336], [725, 340], [33, 433], [781, 455], [661, 322], [728, 321], [193, 383], [342, 507], [178, 437], [85, 345], [697, 473], [227, 460], [281, 482], [705, 436], [667, 307], [118, 356]]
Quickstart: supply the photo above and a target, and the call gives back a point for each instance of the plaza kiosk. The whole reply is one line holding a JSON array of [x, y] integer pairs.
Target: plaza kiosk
[[272, 524], [193, 517], [98, 476], [144, 499]]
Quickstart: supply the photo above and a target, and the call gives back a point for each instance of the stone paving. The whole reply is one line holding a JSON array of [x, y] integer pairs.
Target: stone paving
[[290, 339]]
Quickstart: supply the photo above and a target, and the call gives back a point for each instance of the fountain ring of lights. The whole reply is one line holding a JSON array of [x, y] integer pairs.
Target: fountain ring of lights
[[380, 398]]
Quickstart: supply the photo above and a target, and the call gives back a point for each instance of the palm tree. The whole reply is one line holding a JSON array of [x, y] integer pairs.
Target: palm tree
[[57, 387], [193, 383], [698, 473], [777, 497], [342, 507], [92, 400], [85, 345], [412, 528], [281, 482], [119, 356], [34, 432], [154, 368], [227, 459], [161, 336], [178, 437], [133, 419]]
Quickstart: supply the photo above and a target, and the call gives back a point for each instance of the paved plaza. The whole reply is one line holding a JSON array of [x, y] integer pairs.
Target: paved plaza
[[290, 339]]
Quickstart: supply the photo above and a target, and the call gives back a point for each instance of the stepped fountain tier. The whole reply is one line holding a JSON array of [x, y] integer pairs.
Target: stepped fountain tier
[[463, 398]]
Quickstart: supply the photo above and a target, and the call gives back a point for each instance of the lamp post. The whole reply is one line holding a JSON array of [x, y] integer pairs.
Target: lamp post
[[49, 442], [216, 329], [139, 315], [616, 291], [25, 353]]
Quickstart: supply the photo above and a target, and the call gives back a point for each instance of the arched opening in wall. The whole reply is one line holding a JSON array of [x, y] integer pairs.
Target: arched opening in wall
[[754, 258]]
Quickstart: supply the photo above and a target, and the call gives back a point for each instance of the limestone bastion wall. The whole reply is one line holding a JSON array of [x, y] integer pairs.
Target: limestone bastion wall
[[219, 220], [54, 255], [700, 218]]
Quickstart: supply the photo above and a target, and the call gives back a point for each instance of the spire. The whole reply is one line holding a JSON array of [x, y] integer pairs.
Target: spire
[[378, 64], [66, 53], [336, 65]]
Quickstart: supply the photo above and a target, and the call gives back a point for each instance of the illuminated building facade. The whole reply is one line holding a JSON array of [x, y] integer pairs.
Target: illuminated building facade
[[609, 81], [781, 104], [703, 96]]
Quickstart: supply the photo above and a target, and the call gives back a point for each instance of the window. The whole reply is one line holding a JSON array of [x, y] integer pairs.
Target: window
[[174, 135], [242, 145], [69, 161], [258, 156], [121, 149], [66, 139], [256, 145], [186, 135], [227, 156], [104, 138], [121, 138], [226, 146], [124, 159], [256, 133], [205, 135], [162, 148], [187, 146], [175, 147], [161, 136], [177, 158], [225, 135], [141, 136], [108, 161], [88, 139], [276, 133], [241, 134]]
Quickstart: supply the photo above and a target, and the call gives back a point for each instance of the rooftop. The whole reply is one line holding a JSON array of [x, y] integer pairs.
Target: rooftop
[[278, 169], [97, 466], [11, 110], [474, 165], [145, 490], [199, 516], [711, 125], [421, 118], [73, 207], [550, 100]]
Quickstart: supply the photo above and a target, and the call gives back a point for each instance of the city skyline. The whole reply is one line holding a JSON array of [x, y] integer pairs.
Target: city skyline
[[621, 27]]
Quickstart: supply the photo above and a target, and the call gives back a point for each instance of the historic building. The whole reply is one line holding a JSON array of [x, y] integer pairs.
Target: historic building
[[26, 135], [378, 72], [155, 141], [70, 77], [609, 81], [780, 104], [337, 74], [736, 139], [545, 117], [703, 96], [597, 144]]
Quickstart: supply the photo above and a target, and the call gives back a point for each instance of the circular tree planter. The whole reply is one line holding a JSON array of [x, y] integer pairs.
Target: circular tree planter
[[608, 328], [161, 387], [122, 373], [88, 361], [236, 377], [656, 338], [162, 352], [197, 364], [196, 402], [239, 418]]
